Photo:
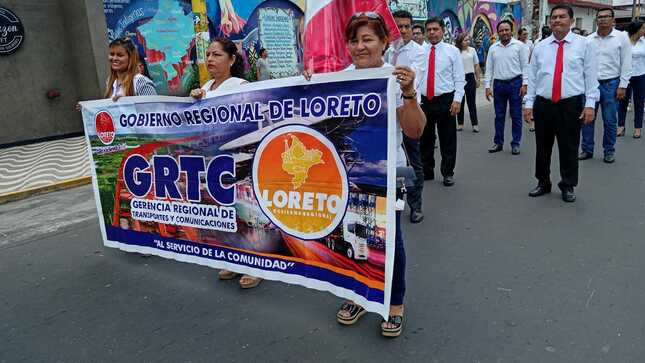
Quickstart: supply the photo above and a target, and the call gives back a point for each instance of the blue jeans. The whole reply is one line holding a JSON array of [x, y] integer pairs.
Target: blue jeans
[[609, 104], [398, 275], [508, 93], [637, 88]]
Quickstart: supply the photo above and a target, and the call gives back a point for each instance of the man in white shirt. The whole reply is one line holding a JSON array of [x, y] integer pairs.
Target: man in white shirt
[[562, 93], [417, 34], [614, 53], [408, 53], [441, 83], [506, 69]]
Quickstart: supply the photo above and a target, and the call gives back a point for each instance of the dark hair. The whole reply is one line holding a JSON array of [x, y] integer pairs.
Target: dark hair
[[376, 23], [505, 21], [237, 69], [563, 7], [435, 19], [143, 62], [634, 27], [521, 31], [262, 50], [459, 41], [415, 26], [545, 31], [611, 10], [402, 14]]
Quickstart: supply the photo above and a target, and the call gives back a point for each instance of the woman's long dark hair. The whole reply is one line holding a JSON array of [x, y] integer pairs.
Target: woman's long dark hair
[[237, 69], [634, 27], [459, 42]]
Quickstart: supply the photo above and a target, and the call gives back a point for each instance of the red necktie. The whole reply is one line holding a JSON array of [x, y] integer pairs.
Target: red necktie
[[430, 81], [556, 92]]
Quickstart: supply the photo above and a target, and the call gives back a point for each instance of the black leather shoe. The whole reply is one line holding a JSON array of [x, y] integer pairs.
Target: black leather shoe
[[609, 158], [540, 190], [568, 195], [585, 155], [449, 181], [515, 150], [495, 148], [416, 216]]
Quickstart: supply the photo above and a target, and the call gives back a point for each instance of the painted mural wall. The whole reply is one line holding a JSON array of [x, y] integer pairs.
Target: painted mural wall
[[479, 18], [172, 35], [276, 25]]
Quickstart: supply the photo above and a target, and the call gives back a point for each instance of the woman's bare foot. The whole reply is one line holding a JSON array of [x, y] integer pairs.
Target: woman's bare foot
[[395, 310], [249, 282], [226, 275], [620, 131]]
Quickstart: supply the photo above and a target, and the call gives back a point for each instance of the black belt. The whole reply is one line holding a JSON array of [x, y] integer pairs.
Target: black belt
[[508, 80], [572, 98], [451, 94], [608, 80]]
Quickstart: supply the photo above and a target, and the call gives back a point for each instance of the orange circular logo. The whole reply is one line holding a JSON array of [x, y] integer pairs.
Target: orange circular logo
[[300, 181], [104, 127]]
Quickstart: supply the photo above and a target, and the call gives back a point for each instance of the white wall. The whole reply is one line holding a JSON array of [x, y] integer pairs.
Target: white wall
[[585, 18]]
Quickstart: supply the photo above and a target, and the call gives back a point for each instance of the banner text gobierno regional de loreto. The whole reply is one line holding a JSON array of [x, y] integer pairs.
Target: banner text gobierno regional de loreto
[[288, 180]]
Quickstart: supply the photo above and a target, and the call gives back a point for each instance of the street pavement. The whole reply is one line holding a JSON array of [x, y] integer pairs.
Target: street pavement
[[493, 276]]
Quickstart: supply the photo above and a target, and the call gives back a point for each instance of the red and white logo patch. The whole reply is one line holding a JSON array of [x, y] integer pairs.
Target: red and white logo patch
[[104, 127]]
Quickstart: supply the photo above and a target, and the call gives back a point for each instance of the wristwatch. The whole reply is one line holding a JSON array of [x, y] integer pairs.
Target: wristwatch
[[412, 97]]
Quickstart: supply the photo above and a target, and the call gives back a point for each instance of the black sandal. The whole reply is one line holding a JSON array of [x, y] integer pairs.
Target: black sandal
[[397, 322], [355, 312]]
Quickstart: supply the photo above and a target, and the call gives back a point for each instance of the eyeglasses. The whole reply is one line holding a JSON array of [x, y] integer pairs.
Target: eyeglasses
[[604, 17]]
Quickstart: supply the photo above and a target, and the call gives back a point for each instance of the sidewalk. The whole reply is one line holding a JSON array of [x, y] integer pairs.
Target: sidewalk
[[41, 167]]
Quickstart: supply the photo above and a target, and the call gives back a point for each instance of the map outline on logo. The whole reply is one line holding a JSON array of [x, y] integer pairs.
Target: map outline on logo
[[340, 166]]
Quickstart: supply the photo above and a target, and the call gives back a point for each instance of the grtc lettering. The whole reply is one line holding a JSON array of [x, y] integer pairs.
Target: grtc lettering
[[166, 172]]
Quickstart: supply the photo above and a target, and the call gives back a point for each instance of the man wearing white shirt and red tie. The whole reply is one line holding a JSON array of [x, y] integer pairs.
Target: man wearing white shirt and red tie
[[614, 53], [507, 70], [442, 89], [407, 52], [561, 95]]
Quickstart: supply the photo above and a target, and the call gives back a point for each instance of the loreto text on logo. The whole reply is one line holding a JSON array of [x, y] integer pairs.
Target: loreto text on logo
[[104, 127], [300, 181]]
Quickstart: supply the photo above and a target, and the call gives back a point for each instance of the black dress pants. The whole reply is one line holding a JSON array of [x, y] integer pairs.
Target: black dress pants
[[470, 95], [438, 116], [413, 151], [557, 121]]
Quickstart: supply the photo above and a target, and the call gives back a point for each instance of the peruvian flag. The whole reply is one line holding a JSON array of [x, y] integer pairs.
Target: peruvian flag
[[325, 21]]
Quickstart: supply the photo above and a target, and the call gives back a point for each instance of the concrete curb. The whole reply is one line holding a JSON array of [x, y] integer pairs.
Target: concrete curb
[[64, 184]]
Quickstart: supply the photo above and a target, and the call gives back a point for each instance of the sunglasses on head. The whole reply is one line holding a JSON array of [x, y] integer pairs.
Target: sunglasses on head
[[125, 41], [367, 14]]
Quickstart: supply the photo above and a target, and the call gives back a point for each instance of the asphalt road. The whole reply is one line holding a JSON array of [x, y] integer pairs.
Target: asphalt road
[[493, 276]]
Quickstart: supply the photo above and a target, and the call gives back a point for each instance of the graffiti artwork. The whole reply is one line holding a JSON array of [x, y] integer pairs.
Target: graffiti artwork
[[275, 25], [418, 8], [481, 35], [453, 26]]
